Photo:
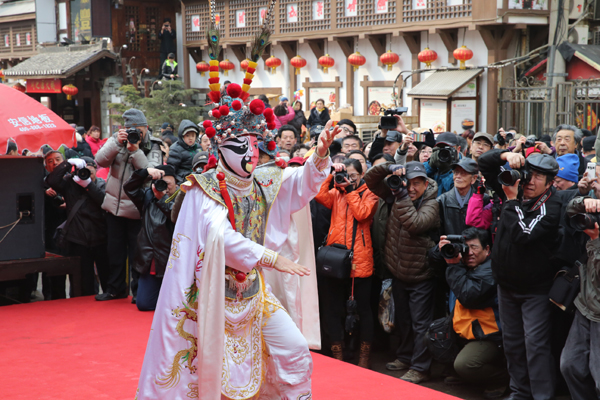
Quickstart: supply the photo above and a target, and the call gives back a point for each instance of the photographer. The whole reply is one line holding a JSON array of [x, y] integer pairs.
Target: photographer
[[414, 215], [580, 356], [474, 305], [154, 239], [439, 166], [167, 41], [86, 230], [349, 200], [524, 265], [127, 150]]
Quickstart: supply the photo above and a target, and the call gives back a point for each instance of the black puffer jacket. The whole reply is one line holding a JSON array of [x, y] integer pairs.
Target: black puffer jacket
[[154, 239], [409, 228], [318, 118], [180, 154], [88, 226], [299, 120], [452, 215]]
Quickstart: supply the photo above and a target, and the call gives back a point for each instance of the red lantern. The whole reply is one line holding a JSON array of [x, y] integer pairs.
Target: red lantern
[[273, 63], [462, 54], [70, 90], [202, 67], [226, 65], [427, 56], [390, 58], [298, 62], [326, 62], [244, 64], [356, 60], [20, 87]]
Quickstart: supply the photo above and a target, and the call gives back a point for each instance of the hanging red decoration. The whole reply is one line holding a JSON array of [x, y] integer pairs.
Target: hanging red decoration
[[202, 67], [356, 60], [463, 54], [298, 62], [70, 90], [1, 75], [19, 87], [326, 62], [244, 64], [390, 58], [427, 56], [226, 66], [273, 62]]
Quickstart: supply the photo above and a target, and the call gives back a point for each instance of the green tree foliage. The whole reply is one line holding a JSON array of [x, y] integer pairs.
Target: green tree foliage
[[169, 102]]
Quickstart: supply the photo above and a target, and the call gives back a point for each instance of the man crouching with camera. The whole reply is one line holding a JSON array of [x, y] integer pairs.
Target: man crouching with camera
[[524, 265], [127, 150], [154, 239], [413, 216]]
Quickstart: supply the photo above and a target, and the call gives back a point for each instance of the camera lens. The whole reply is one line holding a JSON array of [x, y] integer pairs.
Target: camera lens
[[584, 221], [83, 173], [450, 250], [394, 182], [340, 177], [445, 156], [160, 185], [509, 177], [133, 135]]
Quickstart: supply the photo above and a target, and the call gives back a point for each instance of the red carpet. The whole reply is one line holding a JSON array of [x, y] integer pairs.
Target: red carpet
[[83, 349]]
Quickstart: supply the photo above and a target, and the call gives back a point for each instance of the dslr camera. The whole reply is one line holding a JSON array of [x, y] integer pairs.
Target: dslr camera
[[455, 247], [394, 182], [389, 121], [447, 155], [160, 185], [83, 173], [340, 177], [134, 135], [510, 177], [584, 221]]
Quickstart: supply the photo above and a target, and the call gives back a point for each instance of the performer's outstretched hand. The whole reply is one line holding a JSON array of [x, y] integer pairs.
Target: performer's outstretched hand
[[286, 265], [326, 138]]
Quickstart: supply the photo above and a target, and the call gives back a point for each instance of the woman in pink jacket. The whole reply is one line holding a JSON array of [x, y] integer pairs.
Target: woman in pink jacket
[[94, 140], [284, 114]]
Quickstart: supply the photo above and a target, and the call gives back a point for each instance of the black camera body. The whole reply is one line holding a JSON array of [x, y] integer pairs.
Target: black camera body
[[584, 221], [510, 177], [529, 143], [447, 155], [395, 182], [83, 173], [455, 247], [134, 135], [160, 185], [389, 121], [340, 177]]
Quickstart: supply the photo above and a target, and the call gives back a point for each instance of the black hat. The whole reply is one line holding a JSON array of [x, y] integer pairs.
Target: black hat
[[89, 161], [394, 136], [200, 157], [169, 170], [468, 164], [167, 125], [447, 138], [542, 163], [415, 169], [586, 132], [588, 143]]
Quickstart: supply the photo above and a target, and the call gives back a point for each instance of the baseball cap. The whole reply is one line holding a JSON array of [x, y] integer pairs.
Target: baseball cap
[[485, 136], [468, 164], [568, 167], [588, 143], [415, 169], [393, 136], [297, 160], [200, 157], [447, 138]]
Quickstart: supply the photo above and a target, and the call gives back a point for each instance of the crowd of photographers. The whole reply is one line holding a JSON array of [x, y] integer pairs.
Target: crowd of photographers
[[477, 251]]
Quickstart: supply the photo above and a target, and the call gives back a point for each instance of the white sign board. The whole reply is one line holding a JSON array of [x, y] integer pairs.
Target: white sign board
[[528, 4], [351, 8], [468, 90], [327, 94], [381, 6], [292, 12], [454, 2], [461, 110], [379, 97], [195, 23], [262, 13], [240, 18], [419, 4], [318, 9], [432, 114]]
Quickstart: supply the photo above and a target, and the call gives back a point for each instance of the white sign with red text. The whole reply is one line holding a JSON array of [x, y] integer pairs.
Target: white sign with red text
[[195, 23], [240, 19], [292, 12], [351, 8], [262, 14], [381, 6], [318, 9]]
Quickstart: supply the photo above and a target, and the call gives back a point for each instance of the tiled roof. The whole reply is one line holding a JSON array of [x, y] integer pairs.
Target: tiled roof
[[444, 83], [59, 62]]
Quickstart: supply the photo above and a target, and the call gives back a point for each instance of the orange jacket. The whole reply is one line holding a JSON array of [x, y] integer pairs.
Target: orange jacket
[[344, 209]]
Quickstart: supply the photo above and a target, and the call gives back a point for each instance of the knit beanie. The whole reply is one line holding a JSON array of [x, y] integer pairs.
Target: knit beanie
[[133, 118], [568, 167]]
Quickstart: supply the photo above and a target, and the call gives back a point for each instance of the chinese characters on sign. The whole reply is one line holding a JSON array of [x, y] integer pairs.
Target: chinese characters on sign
[[44, 86], [18, 39], [419, 4], [262, 13], [81, 19], [318, 9], [32, 122], [351, 8], [528, 4], [28, 38], [240, 19], [195, 23], [381, 6], [292, 13], [6, 41]]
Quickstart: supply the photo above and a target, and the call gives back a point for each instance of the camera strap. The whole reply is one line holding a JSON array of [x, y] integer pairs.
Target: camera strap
[[542, 199]]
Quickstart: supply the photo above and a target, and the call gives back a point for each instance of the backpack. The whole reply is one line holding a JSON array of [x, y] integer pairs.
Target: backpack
[[441, 340]]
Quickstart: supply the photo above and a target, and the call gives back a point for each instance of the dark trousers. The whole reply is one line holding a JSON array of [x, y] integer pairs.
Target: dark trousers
[[414, 313], [90, 256], [148, 291], [580, 359], [481, 361], [335, 294], [526, 333], [122, 242]]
